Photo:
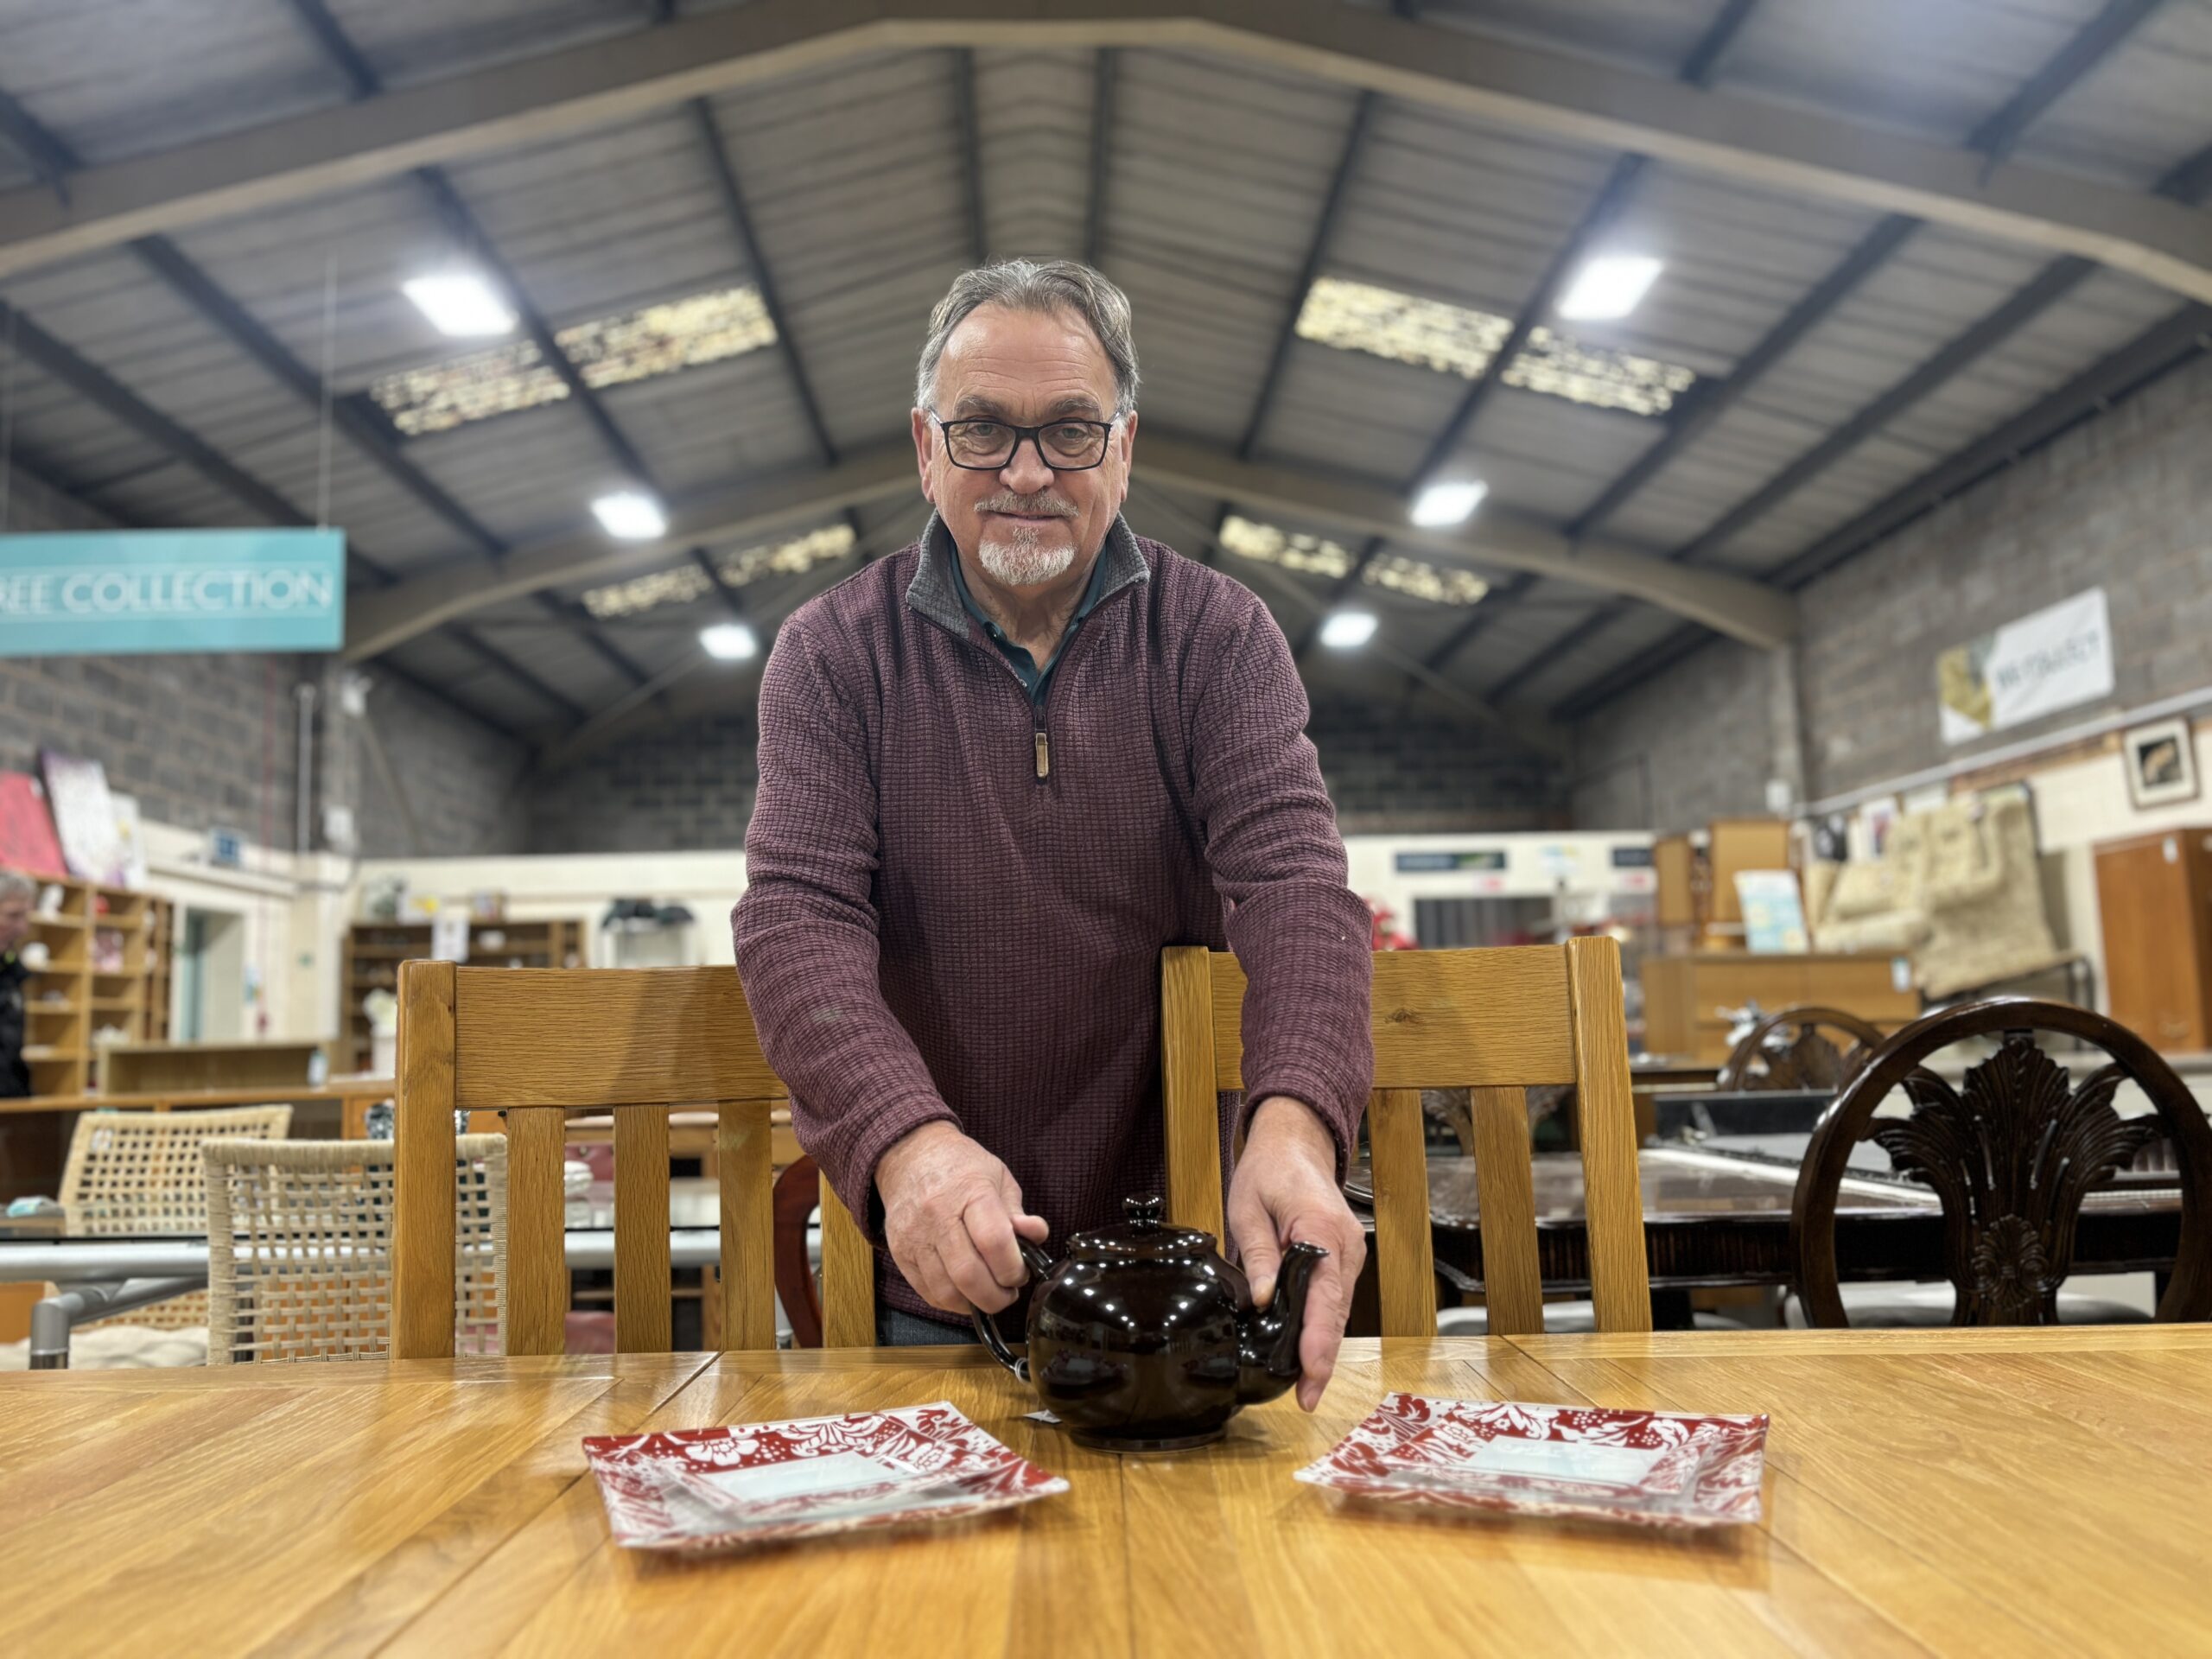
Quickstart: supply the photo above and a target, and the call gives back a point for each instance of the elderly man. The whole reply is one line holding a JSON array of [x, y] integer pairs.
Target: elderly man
[[15, 895], [1000, 770]]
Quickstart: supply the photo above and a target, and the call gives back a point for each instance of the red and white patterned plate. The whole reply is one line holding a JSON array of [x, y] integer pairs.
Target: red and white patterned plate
[[705, 1489], [1647, 1468]]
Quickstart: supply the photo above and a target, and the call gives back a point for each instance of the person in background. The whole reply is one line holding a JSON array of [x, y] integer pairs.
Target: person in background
[[1000, 770], [16, 893]]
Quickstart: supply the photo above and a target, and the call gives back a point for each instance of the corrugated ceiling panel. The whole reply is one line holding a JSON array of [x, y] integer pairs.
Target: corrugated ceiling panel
[[1033, 118], [1938, 70], [2146, 107]]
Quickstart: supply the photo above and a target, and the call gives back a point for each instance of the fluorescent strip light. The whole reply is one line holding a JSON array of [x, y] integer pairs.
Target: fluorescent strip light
[[631, 516], [1348, 630], [1610, 287], [730, 642], [461, 303], [1452, 502]]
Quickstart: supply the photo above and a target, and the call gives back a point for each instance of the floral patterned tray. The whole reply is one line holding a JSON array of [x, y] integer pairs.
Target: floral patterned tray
[[1647, 1468], [707, 1489]]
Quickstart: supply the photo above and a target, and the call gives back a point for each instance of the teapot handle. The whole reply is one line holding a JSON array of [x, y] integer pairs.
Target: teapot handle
[[1040, 1267]]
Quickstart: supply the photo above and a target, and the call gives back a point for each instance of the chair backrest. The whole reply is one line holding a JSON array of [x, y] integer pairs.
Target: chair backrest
[[1787, 1051], [537, 1044], [299, 1247], [2010, 1154], [1495, 1022], [140, 1172]]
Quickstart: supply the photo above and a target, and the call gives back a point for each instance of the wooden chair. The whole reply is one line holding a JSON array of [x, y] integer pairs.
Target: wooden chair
[[1787, 1050], [537, 1044], [299, 1247], [1494, 1021], [2011, 1155]]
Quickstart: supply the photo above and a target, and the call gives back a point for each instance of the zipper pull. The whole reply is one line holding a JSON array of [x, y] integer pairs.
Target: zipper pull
[[1044, 755]]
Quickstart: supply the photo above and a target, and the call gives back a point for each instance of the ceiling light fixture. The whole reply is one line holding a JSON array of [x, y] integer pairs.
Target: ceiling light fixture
[[630, 515], [461, 303], [1610, 287], [1347, 630], [1451, 501], [730, 642]]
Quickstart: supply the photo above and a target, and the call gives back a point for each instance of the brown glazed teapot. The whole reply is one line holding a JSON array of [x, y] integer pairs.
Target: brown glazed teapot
[[1144, 1339]]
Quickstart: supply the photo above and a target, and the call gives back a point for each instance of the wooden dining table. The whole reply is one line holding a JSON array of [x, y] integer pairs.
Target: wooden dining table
[[1970, 1492]]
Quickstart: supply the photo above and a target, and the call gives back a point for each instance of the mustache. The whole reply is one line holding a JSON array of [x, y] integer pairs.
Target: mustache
[[1030, 506]]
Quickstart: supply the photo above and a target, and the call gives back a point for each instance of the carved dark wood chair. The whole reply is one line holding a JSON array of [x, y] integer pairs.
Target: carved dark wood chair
[[2011, 1154], [1789, 1050]]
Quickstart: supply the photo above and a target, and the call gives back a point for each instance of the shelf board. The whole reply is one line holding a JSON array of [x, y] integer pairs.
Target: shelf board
[[58, 921], [51, 1056], [49, 1007]]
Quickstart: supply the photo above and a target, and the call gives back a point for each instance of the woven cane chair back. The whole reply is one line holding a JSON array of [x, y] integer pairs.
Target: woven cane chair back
[[299, 1261]]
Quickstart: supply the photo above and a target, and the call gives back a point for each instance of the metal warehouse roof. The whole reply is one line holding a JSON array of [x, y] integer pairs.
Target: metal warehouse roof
[[1832, 359]]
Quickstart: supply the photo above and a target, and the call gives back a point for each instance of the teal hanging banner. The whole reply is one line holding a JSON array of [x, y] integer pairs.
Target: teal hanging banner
[[106, 593]]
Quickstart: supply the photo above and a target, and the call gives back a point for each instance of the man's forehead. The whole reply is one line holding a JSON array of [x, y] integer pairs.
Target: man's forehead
[[1000, 361]]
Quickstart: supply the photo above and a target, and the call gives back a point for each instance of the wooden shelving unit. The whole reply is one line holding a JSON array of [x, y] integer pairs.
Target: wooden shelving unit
[[108, 970], [373, 952]]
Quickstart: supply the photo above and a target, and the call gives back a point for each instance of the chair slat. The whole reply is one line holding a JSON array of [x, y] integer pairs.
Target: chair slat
[[537, 1278], [748, 1221], [1194, 1196], [602, 1037], [1612, 1199], [1404, 1262], [1442, 1018], [1513, 1285], [422, 1231], [847, 1277], [641, 1263]]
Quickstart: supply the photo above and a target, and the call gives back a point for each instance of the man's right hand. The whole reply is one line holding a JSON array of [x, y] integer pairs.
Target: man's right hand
[[951, 1213]]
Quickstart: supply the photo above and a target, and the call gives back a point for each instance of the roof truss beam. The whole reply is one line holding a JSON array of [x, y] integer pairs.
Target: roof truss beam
[[1743, 610], [1551, 93]]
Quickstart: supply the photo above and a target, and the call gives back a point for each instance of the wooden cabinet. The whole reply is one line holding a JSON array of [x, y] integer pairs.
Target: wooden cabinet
[[2154, 894], [1683, 995]]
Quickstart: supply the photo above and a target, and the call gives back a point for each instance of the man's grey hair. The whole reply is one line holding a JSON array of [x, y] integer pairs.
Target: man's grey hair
[[13, 885], [1047, 285]]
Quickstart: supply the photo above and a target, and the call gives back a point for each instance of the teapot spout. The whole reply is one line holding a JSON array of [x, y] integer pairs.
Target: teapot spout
[[1267, 1343]]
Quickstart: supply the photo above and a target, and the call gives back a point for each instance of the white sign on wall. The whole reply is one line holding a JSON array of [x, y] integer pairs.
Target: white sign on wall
[[2052, 660]]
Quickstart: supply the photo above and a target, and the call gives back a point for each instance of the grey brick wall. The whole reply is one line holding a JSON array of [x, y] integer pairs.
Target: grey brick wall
[[1413, 771], [2123, 501], [465, 784], [691, 787], [686, 788], [1698, 747]]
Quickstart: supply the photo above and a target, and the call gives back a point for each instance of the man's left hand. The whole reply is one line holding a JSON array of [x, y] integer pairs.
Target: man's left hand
[[1284, 1193]]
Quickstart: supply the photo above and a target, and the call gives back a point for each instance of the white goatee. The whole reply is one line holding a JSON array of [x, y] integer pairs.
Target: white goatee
[[1023, 558]]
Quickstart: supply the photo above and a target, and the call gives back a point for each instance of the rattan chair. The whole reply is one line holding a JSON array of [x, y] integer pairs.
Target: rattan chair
[[537, 1044], [1495, 1022], [299, 1247], [138, 1174]]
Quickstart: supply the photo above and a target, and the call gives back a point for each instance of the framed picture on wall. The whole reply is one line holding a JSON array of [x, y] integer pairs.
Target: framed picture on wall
[[2161, 761]]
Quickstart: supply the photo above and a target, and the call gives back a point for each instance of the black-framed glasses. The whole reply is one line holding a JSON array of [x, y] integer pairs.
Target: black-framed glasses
[[1065, 446]]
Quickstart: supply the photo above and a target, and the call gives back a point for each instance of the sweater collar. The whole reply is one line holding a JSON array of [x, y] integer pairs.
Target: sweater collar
[[932, 593]]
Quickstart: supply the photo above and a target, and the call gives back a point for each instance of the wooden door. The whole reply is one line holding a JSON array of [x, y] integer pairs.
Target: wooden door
[[2152, 895]]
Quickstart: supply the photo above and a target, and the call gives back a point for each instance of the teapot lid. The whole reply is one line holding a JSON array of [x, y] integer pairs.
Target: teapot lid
[[1142, 1235]]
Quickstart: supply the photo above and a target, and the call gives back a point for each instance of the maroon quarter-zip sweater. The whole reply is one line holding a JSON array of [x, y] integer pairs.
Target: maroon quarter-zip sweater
[[956, 896]]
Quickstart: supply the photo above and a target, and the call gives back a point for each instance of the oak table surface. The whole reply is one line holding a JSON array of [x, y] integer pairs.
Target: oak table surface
[[1956, 1491]]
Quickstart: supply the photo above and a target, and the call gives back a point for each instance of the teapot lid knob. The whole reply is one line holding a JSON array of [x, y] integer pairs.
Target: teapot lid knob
[[1144, 1213]]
